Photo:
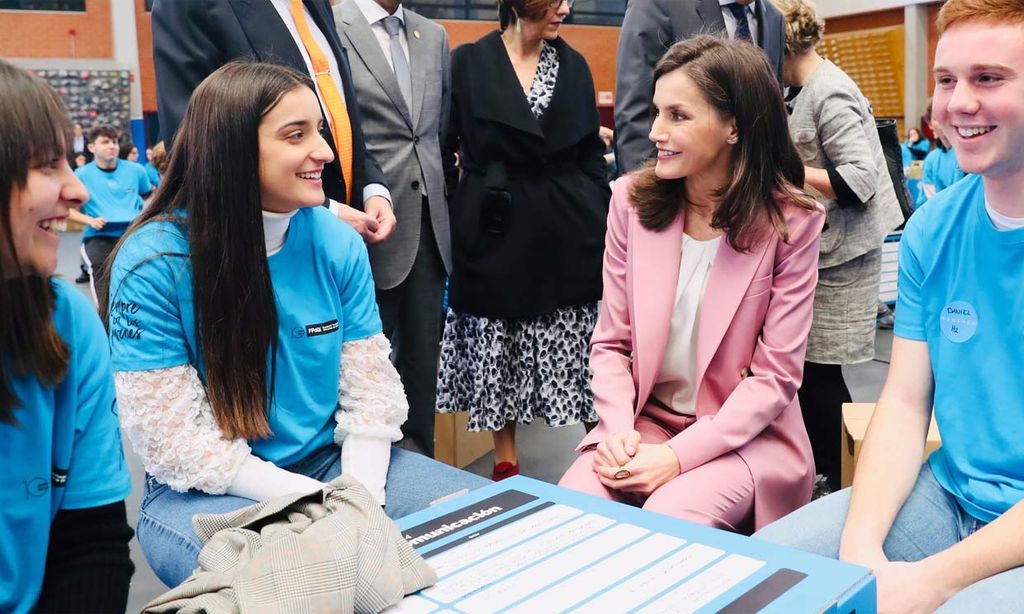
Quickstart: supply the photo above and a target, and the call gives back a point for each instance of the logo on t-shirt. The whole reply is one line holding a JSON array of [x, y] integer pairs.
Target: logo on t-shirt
[[36, 487], [959, 321], [314, 330]]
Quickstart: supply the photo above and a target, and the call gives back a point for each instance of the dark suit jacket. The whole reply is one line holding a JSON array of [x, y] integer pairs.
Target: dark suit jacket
[[528, 215], [193, 38], [649, 28]]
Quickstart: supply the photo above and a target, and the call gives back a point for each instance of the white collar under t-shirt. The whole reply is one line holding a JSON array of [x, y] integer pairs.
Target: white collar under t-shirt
[[730, 21], [1003, 222]]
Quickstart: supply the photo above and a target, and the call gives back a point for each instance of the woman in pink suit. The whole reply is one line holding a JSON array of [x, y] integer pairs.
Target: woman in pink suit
[[709, 275]]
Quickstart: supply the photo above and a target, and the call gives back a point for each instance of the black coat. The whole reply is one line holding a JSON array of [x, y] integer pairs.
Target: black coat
[[528, 216], [193, 38]]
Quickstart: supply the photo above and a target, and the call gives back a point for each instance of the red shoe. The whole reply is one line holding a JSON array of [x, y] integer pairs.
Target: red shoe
[[504, 470]]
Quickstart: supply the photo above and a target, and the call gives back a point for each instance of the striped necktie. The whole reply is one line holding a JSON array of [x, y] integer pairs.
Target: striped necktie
[[742, 25]]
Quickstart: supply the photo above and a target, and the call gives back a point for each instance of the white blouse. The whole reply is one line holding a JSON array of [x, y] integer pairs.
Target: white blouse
[[167, 417], [676, 386]]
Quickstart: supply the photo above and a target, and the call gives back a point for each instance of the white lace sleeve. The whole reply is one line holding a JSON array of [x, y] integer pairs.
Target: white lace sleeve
[[168, 420], [370, 392]]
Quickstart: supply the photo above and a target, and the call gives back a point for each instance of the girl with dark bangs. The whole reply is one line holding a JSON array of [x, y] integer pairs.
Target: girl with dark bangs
[[709, 273], [62, 515], [247, 347]]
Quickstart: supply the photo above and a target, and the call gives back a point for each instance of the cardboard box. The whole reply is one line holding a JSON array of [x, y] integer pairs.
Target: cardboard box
[[856, 417], [456, 446]]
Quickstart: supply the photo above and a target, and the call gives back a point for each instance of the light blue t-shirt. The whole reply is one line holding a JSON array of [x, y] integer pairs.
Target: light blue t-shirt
[[940, 170], [920, 149], [152, 174], [961, 290], [114, 195], [66, 453], [324, 296]]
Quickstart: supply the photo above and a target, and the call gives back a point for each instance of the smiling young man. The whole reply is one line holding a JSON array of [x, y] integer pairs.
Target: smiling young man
[[116, 192], [949, 535]]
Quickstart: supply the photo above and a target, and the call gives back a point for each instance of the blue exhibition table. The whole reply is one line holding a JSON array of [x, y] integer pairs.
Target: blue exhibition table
[[526, 546]]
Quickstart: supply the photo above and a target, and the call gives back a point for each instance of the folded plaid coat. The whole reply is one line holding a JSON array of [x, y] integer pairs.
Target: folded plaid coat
[[332, 550]]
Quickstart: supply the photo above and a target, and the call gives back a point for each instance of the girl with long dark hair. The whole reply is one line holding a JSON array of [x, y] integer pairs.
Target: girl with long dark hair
[[63, 528], [709, 274], [247, 346]]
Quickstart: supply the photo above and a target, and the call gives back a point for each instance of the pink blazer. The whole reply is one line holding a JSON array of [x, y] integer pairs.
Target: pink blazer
[[755, 316]]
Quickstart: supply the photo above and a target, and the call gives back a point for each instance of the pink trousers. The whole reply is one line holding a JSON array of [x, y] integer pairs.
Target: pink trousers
[[719, 493]]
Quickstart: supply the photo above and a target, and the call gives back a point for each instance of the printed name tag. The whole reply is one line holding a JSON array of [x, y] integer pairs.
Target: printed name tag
[[312, 330], [959, 321]]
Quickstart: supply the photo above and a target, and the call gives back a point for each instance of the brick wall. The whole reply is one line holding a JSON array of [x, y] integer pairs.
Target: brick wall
[[44, 34], [147, 78]]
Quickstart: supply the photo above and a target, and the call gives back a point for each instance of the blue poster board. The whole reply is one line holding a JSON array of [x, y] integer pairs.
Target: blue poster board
[[526, 546]]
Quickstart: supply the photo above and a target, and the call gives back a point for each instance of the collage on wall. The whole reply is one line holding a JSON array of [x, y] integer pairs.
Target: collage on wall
[[93, 97]]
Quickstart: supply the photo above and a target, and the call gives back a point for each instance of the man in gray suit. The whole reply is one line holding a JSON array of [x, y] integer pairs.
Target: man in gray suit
[[400, 66], [649, 28]]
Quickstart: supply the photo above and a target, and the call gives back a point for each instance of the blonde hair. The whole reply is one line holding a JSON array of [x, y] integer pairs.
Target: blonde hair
[[159, 160], [994, 11], [804, 28]]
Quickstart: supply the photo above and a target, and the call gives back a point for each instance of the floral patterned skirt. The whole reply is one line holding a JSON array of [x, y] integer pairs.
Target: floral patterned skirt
[[504, 371]]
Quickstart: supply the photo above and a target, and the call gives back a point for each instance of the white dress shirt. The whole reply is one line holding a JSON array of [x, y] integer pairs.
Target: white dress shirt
[[374, 14], [284, 10], [730, 21], [676, 386]]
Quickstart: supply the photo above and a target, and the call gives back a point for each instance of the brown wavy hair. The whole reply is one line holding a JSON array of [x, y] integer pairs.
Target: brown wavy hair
[[804, 29], [34, 130], [738, 82]]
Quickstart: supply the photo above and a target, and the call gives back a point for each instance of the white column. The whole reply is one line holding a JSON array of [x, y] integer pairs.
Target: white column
[[916, 68], [126, 48]]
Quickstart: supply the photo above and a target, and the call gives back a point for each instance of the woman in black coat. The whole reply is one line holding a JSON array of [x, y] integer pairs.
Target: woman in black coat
[[528, 223]]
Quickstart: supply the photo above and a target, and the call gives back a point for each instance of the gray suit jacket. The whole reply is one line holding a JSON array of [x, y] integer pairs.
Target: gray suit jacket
[[832, 126], [407, 143], [649, 28]]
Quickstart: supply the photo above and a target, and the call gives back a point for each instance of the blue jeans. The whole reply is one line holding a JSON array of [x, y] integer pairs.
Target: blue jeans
[[930, 521], [165, 518]]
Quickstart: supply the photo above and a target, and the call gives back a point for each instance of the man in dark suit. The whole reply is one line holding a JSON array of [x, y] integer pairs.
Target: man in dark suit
[[193, 38], [401, 69], [649, 28]]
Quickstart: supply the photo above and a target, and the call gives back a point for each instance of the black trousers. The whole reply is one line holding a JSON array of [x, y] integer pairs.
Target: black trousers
[[821, 399], [96, 253], [412, 320]]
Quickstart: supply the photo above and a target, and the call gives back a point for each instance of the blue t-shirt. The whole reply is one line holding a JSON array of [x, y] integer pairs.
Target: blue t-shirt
[[961, 290], [66, 453], [114, 195], [324, 295], [918, 150], [152, 174], [940, 170]]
